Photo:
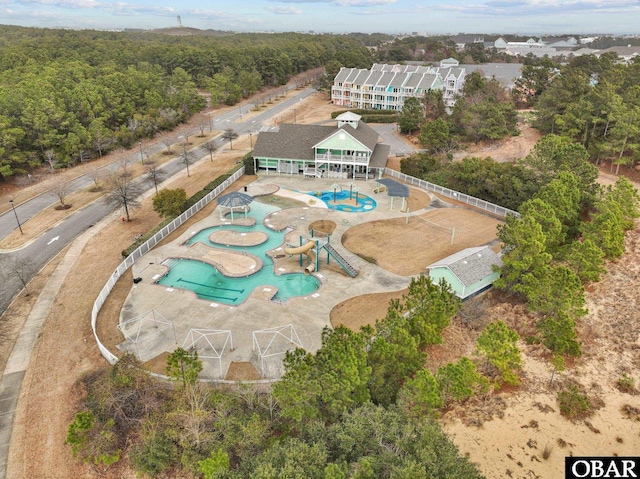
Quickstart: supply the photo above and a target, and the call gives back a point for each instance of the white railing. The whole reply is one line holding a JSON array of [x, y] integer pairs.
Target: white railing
[[356, 159], [454, 195], [144, 249]]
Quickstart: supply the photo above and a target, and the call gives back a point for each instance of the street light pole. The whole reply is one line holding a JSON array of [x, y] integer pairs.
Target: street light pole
[[16, 213], [251, 139], [141, 152]]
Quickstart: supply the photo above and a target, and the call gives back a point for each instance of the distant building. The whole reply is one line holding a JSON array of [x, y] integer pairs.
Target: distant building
[[505, 73], [626, 54], [463, 40], [469, 271], [386, 87]]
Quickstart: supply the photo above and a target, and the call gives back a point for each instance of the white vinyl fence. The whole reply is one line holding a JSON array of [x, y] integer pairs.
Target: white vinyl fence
[[454, 195], [145, 248]]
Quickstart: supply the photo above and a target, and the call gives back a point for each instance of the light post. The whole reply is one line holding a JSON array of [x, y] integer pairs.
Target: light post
[[294, 116], [251, 139], [16, 213], [141, 152]]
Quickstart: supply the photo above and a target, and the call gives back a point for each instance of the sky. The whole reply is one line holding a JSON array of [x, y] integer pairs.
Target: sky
[[426, 17]]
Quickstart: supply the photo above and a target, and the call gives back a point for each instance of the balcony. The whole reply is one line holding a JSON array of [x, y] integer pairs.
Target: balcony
[[351, 159]]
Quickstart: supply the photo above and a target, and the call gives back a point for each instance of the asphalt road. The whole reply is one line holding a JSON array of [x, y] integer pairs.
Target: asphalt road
[[38, 253]]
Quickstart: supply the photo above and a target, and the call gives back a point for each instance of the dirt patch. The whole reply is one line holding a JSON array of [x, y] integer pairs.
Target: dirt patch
[[242, 371], [505, 150], [363, 310], [322, 227], [407, 249]]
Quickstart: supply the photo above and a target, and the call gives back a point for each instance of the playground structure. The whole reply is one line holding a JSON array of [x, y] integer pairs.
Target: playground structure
[[312, 249]]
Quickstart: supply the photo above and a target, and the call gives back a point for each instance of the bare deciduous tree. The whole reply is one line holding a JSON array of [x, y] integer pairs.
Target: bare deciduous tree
[[168, 142], [21, 269], [188, 157], [211, 147], [124, 167], [230, 135], [61, 191], [154, 174], [96, 175], [51, 159], [123, 193]]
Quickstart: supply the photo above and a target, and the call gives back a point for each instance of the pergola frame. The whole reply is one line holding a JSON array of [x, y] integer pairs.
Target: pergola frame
[[203, 337], [150, 316], [275, 333]]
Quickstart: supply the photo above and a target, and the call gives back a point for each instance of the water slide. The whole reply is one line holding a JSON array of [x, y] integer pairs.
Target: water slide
[[304, 249]]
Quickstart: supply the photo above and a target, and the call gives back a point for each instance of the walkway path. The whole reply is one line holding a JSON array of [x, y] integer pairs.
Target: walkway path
[[11, 381]]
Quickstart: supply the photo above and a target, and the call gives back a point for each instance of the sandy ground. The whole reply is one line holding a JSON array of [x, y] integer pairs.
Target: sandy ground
[[408, 248], [504, 443]]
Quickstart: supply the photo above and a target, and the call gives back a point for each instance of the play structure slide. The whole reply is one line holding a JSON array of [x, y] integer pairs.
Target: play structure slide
[[305, 249], [300, 249]]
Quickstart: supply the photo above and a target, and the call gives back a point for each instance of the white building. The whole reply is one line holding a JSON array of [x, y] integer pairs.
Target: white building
[[385, 87]]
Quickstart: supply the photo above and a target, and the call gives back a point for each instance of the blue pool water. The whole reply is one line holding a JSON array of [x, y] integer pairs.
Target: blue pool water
[[209, 284], [365, 203]]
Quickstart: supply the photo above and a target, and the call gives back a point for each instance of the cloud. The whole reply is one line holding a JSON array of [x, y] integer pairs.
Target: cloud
[[344, 3], [122, 8], [286, 10], [537, 8], [63, 3]]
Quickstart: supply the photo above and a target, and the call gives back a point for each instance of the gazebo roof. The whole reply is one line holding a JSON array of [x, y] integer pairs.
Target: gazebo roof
[[235, 199]]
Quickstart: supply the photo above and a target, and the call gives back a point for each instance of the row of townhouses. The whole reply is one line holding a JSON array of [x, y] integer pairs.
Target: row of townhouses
[[549, 46], [386, 87]]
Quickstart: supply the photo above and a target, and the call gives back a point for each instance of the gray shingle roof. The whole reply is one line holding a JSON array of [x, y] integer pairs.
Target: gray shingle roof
[[296, 142], [291, 142], [471, 264], [379, 156], [364, 134]]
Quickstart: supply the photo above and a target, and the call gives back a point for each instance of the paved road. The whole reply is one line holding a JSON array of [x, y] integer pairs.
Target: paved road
[[50, 243], [36, 254]]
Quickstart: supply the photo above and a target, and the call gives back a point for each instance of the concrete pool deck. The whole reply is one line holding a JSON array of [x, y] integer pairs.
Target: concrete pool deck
[[306, 316]]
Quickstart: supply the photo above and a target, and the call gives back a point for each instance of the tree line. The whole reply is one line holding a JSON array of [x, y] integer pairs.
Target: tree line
[[484, 111], [70, 96], [595, 101], [362, 406]]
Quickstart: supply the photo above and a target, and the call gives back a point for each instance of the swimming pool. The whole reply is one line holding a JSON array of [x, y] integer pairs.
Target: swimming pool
[[342, 202], [209, 284]]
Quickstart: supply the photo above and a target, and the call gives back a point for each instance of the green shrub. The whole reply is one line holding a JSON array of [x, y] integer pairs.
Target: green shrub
[[249, 168], [154, 454], [362, 112], [626, 384], [574, 404], [93, 440]]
